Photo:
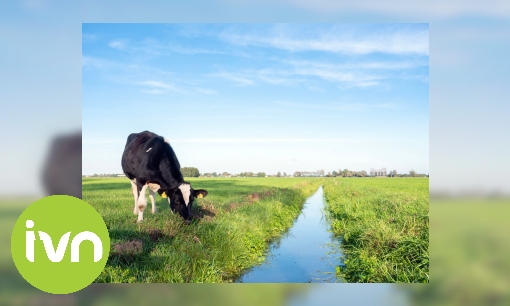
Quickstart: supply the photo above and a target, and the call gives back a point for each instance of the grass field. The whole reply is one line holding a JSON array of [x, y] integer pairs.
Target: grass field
[[233, 226], [469, 251], [384, 223]]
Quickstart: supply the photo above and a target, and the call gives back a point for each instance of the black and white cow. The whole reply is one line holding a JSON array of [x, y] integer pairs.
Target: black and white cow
[[150, 162]]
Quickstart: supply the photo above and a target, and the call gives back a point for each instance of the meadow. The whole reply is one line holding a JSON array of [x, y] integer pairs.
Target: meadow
[[469, 251], [384, 225], [231, 231]]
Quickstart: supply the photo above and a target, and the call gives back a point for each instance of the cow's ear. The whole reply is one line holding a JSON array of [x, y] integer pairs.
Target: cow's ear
[[162, 193], [200, 193]]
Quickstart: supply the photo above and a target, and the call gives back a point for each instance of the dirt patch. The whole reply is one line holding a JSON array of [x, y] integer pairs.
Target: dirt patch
[[251, 198], [131, 248], [254, 197], [158, 234], [257, 196], [155, 235], [233, 206]]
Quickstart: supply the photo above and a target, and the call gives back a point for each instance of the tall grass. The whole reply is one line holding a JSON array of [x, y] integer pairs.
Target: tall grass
[[233, 227], [384, 223]]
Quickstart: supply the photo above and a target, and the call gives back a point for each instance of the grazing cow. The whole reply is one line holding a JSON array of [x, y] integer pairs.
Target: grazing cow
[[150, 162]]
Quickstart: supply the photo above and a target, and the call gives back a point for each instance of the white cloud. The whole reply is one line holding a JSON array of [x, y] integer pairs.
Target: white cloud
[[103, 64], [190, 50], [240, 79], [387, 65], [277, 76], [120, 44], [357, 74], [88, 37], [403, 41], [345, 107], [154, 91], [157, 87], [156, 84]]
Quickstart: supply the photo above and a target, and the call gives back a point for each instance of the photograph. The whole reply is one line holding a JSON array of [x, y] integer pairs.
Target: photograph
[[258, 153]]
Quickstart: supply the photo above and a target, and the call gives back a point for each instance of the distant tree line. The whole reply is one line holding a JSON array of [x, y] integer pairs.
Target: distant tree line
[[251, 174], [214, 174], [376, 173], [190, 172], [105, 175], [193, 172]]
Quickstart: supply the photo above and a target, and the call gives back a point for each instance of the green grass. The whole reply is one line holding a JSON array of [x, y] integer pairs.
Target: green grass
[[384, 223], [231, 233]]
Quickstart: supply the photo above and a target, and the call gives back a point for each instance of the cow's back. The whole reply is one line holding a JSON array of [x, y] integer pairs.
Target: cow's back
[[147, 156]]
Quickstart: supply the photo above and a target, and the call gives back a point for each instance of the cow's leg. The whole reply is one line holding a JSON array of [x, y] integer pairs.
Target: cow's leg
[[152, 196], [142, 202], [134, 190]]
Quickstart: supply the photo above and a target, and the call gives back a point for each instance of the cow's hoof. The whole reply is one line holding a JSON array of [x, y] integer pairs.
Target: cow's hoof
[[153, 211], [135, 212], [188, 222]]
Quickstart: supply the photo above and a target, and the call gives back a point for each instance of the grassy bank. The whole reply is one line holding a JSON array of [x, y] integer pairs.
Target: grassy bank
[[385, 227], [234, 224]]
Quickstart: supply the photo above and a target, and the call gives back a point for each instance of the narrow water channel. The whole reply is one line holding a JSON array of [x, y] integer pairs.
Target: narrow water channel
[[308, 252]]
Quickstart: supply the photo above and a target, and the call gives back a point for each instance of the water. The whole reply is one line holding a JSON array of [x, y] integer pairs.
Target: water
[[307, 253]]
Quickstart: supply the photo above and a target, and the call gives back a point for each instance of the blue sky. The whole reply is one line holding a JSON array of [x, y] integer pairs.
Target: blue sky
[[41, 75], [259, 97]]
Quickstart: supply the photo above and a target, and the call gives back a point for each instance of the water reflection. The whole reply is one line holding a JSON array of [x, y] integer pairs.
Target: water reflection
[[307, 253]]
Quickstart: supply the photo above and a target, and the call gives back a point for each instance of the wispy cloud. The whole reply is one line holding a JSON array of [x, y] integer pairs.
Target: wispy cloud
[[357, 74], [104, 64], [402, 41], [240, 79], [88, 37], [277, 76], [346, 107], [343, 107], [120, 44], [347, 75], [189, 50], [150, 48], [157, 87], [362, 65]]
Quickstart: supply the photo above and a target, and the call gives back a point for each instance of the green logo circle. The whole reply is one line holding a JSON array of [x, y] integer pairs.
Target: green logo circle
[[60, 244]]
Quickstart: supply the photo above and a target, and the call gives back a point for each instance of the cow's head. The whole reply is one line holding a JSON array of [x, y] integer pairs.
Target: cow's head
[[182, 198]]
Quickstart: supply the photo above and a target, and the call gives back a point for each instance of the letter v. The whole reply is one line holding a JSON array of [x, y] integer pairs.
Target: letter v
[[58, 254]]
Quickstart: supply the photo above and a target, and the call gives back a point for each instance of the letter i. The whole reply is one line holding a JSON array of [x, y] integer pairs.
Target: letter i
[[30, 238]]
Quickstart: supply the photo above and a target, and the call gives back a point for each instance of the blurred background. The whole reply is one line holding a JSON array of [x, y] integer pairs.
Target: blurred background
[[40, 132]]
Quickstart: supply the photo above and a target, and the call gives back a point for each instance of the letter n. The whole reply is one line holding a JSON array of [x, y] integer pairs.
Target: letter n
[[78, 239]]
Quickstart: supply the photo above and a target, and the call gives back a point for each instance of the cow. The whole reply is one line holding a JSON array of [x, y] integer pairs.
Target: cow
[[150, 163]]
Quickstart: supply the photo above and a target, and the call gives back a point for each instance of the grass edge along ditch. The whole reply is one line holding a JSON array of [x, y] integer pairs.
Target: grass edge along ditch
[[232, 230], [384, 225]]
